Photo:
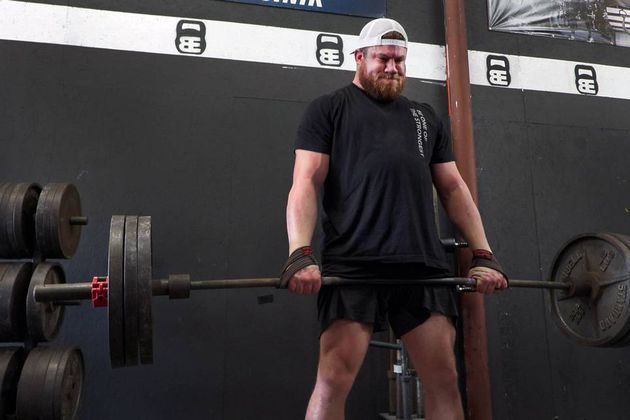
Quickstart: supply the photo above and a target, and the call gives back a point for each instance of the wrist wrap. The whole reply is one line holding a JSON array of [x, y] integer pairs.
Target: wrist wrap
[[299, 259], [485, 258]]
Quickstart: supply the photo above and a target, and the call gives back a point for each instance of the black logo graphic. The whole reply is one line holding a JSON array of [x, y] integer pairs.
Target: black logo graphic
[[498, 70], [586, 80], [329, 50], [191, 37]]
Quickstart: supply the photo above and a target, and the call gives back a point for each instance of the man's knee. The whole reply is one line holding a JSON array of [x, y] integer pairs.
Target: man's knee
[[441, 379], [337, 372], [342, 350]]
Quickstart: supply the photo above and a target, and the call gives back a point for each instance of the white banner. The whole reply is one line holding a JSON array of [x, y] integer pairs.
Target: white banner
[[198, 38]]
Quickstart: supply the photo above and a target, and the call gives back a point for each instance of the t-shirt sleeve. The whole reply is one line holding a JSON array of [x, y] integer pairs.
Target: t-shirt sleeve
[[316, 128], [443, 150]]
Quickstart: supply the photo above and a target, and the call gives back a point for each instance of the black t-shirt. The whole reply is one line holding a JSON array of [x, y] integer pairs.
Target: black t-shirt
[[378, 194]]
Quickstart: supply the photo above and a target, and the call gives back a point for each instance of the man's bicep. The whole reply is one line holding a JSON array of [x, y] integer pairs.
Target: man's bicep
[[310, 167]]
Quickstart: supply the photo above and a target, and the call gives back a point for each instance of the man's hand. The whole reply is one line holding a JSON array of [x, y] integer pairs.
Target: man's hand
[[306, 281], [488, 280]]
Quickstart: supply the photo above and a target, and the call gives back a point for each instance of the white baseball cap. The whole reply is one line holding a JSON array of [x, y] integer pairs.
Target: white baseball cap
[[372, 32]]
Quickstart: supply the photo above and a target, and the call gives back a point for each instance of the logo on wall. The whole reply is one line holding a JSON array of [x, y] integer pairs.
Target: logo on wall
[[329, 50], [586, 80], [191, 37], [498, 70]]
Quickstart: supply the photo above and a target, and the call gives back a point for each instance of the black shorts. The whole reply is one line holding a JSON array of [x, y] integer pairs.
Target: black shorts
[[405, 307]]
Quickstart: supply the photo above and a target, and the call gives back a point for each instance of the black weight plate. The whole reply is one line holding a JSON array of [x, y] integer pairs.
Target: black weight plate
[[51, 383], [68, 384], [48, 388], [44, 319], [593, 322], [14, 281], [624, 341], [41, 222], [115, 296], [5, 193], [145, 292], [18, 220], [32, 403], [11, 361], [57, 237], [130, 293]]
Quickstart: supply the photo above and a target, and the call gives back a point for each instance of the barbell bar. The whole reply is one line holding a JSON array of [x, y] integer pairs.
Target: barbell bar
[[589, 289]]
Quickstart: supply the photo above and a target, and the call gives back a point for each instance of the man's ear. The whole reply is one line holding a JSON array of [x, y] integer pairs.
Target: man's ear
[[358, 56]]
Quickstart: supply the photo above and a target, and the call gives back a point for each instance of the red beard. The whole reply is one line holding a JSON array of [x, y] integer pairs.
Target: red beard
[[382, 86]]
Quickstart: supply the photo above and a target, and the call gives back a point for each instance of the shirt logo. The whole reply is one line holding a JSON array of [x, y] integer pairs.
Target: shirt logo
[[422, 134], [191, 37]]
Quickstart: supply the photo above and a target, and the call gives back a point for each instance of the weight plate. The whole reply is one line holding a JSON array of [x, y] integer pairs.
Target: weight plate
[[145, 292], [115, 296], [625, 341], [11, 361], [41, 222], [131, 291], [57, 236], [44, 319], [14, 280], [5, 193], [51, 384], [17, 216], [602, 317], [30, 401], [68, 384]]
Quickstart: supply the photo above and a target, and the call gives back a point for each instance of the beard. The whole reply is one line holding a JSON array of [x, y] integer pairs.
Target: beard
[[382, 86]]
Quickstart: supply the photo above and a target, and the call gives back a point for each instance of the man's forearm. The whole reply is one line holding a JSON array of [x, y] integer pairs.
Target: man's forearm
[[301, 215], [464, 214]]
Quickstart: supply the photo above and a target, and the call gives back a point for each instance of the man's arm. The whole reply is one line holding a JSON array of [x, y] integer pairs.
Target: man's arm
[[462, 211], [309, 174]]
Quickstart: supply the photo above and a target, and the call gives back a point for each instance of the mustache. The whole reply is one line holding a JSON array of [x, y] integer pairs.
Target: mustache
[[389, 76]]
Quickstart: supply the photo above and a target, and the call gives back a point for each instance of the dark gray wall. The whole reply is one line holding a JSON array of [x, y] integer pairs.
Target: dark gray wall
[[205, 148], [550, 166]]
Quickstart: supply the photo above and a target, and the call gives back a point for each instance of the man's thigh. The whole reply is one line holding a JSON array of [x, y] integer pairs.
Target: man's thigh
[[343, 345], [431, 346]]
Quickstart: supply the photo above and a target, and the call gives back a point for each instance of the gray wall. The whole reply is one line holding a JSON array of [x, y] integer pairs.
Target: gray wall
[[205, 148], [550, 166]]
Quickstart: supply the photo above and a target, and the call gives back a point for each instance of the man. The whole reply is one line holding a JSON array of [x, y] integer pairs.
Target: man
[[377, 155]]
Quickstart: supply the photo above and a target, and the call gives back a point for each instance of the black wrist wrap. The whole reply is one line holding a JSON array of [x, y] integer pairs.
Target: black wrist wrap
[[485, 258], [299, 259]]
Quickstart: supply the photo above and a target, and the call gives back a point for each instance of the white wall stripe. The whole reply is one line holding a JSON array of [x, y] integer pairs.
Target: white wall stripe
[[91, 28]]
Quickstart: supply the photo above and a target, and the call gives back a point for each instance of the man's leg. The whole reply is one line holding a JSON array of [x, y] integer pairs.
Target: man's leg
[[342, 348], [430, 346]]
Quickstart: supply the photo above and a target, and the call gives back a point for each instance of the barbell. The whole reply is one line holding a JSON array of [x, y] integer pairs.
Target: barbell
[[588, 289]]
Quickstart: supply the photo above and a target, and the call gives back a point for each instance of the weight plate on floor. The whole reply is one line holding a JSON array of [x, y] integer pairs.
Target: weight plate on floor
[[68, 384], [130, 292], [145, 292], [51, 384], [11, 362], [57, 235], [18, 203], [30, 402], [601, 316], [14, 281], [43, 319], [115, 296]]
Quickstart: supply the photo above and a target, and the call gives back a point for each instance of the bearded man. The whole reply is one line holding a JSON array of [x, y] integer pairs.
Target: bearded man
[[376, 155]]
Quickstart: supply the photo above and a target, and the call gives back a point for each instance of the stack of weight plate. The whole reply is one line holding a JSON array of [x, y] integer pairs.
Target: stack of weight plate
[[36, 224]]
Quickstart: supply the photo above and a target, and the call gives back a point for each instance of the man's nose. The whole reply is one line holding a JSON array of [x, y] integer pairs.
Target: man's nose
[[390, 66]]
